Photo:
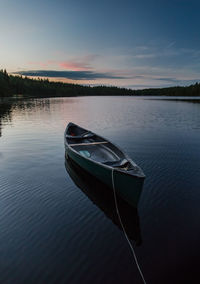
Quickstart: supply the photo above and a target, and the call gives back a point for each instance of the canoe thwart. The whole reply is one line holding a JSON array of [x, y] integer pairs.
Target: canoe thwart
[[91, 143]]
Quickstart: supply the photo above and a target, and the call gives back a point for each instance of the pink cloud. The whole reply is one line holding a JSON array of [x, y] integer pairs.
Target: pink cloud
[[77, 64], [69, 65], [74, 66]]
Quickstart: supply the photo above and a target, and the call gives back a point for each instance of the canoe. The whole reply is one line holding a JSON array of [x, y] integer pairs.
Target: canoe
[[105, 161], [101, 196]]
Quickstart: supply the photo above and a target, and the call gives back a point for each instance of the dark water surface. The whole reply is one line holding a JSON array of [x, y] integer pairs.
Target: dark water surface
[[51, 231]]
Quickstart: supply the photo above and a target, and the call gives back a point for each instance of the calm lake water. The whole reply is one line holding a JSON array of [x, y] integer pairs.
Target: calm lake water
[[52, 231]]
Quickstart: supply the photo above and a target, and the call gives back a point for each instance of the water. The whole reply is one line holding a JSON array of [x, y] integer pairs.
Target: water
[[54, 232]]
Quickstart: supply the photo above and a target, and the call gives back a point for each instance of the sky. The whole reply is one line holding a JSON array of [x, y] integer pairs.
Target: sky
[[134, 44]]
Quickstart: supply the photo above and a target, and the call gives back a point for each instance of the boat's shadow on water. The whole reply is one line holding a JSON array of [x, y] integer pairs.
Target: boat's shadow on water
[[103, 197]]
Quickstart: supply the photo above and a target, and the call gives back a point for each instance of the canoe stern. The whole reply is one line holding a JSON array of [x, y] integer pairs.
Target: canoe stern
[[128, 186]]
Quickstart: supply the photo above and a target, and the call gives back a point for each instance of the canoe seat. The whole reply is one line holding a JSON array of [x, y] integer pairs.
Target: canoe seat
[[119, 164]]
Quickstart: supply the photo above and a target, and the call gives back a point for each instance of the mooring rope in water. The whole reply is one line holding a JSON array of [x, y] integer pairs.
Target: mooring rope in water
[[132, 249]]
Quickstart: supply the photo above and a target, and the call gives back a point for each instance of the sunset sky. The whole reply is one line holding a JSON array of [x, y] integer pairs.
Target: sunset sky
[[134, 44]]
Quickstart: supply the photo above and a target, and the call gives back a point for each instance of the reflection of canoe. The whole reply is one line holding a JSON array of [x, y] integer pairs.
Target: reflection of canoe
[[102, 197], [101, 158]]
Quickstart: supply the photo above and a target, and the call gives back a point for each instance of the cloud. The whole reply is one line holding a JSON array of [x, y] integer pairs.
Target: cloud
[[78, 64], [82, 63], [42, 64], [167, 79], [74, 75], [177, 81], [144, 56], [164, 53], [159, 53], [74, 66]]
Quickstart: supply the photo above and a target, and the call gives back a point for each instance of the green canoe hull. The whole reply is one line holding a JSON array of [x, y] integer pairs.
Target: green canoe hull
[[127, 186]]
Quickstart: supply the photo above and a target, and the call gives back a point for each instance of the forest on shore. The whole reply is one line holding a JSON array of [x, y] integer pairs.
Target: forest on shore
[[17, 85]]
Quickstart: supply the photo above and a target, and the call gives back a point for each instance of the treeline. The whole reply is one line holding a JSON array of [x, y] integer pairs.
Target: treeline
[[17, 85], [190, 91]]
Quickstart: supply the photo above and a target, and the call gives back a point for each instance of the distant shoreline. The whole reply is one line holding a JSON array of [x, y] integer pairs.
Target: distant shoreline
[[18, 87]]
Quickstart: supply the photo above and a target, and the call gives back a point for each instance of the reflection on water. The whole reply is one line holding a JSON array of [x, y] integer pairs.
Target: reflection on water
[[7, 107], [5, 114], [51, 232], [103, 197]]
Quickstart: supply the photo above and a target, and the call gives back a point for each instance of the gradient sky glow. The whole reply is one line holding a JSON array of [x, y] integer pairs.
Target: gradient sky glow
[[135, 44]]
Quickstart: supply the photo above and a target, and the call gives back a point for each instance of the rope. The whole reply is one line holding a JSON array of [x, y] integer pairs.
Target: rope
[[131, 247]]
